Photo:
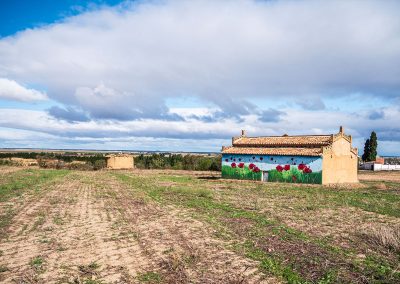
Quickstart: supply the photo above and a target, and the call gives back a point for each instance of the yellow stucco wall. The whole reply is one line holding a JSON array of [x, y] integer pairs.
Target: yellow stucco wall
[[120, 162], [339, 163]]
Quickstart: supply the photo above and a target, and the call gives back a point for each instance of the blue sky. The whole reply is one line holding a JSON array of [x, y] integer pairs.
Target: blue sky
[[18, 15], [188, 75]]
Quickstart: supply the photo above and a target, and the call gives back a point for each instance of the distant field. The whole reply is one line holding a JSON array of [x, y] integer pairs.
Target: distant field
[[155, 226]]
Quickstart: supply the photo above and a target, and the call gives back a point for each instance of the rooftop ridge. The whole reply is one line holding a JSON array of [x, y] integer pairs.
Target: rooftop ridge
[[300, 135]]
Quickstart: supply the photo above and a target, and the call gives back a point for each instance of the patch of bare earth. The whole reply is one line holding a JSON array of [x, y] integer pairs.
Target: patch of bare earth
[[393, 176], [70, 231], [8, 169], [92, 227], [183, 249]]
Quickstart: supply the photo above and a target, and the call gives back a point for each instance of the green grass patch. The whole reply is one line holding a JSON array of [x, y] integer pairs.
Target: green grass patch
[[37, 263], [174, 178], [93, 281], [270, 265], [17, 183], [58, 220], [316, 197], [380, 271], [20, 182], [149, 277]]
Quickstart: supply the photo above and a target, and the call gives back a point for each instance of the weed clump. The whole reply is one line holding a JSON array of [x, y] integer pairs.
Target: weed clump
[[388, 237], [37, 263]]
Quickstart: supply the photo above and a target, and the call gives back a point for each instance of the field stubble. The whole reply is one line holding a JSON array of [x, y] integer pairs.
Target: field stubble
[[193, 227], [90, 228]]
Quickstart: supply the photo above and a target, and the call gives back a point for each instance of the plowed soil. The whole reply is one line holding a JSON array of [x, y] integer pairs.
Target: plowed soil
[[92, 229]]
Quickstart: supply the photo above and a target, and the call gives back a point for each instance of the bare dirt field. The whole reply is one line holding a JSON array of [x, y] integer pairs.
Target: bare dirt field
[[155, 226], [380, 175]]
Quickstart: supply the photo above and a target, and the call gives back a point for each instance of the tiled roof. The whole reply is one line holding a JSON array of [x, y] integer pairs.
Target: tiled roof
[[118, 155], [287, 151], [306, 140]]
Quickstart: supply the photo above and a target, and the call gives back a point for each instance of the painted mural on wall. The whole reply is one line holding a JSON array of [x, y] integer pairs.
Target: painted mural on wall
[[294, 169]]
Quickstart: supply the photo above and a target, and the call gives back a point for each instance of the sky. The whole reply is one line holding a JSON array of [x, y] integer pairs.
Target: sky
[[188, 75]]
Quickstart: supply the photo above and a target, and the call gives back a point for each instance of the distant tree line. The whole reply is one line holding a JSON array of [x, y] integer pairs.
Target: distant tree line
[[92, 161], [98, 161], [370, 148], [178, 162], [66, 157]]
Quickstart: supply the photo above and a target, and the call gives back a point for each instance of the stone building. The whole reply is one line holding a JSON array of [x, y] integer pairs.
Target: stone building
[[322, 159], [120, 161]]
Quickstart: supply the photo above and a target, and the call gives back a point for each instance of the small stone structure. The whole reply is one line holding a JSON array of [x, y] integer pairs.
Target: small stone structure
[[322, 159], [120, 161]]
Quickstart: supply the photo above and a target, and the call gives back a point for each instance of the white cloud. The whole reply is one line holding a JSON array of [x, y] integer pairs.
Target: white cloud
[[11, 90], [224, 52], [113, 69], [195, 135]]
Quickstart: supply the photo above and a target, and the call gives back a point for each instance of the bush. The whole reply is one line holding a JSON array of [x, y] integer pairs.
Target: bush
[[99, 164], [80, 167], [6, 162], [178, 162]]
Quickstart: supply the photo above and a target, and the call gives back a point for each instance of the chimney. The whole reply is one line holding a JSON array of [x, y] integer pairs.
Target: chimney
[[243, 133], [341, 130]]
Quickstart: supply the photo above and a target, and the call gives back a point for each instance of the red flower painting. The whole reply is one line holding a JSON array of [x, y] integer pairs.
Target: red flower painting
[[233, 165], [256, 170], [279, 168], [241, 165], [251, 166], [301, 167], [286, 167]]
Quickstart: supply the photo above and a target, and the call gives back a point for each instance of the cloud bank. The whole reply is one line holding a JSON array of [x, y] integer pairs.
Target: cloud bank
[[113, 69], [220, 51]]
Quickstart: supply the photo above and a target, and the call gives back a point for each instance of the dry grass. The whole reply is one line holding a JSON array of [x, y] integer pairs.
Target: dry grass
[[193, 227], [299, 232], [110, 234], [385, 236]]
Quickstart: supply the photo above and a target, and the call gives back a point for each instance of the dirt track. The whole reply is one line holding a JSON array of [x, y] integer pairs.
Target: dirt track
[[89, 226]]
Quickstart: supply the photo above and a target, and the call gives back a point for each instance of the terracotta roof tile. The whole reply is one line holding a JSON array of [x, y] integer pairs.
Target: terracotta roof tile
[[288, 151], [306, 140]]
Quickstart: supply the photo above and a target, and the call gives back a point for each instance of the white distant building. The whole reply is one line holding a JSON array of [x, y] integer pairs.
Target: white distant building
[[379, 165]]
